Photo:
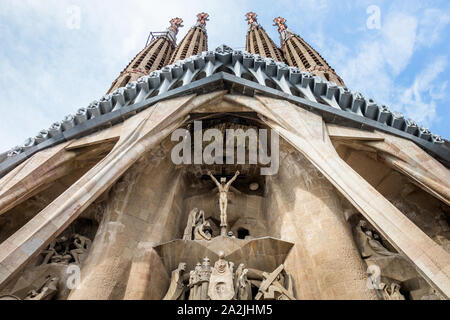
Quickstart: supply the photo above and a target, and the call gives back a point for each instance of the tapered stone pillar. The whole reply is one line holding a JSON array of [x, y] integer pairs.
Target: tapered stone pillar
[[142, 213], [304, 208], [148, 279]]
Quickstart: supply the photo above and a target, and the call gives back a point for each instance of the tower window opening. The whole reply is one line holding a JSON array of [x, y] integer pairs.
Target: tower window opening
[[243, 233], [163, 62], [125, 81], [301, 55]]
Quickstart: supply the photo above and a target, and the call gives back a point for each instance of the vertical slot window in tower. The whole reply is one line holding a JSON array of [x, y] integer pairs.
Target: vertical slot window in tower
[[125, 81]]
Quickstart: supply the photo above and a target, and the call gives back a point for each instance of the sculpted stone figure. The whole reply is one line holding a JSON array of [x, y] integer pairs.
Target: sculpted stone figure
[[177, 287], [205, 275], [369, 243], [224, 187], [82, 245], [202, 230], [244, 288], [190, 224], [272, 287], [64, 258], [49, 252], [196, 283], [63, 251], [56, 248], [392, 292], [237, 275], [191, 285], [221, 282], [62, 254], [46, 292]]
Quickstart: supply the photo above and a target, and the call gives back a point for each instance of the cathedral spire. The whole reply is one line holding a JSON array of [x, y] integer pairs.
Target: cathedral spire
[[202, 18], [299, 53], [195, 41], [153, 57], [252, 19], [258, 42]]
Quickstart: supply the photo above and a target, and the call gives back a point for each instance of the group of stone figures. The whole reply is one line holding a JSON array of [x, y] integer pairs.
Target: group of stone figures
[[197, 227], [45, 292], [371, 246], [70, 248], [65, 250], [221, 282]]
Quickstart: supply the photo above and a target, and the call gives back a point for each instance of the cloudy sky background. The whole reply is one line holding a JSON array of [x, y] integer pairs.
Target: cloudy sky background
[[50, 66]]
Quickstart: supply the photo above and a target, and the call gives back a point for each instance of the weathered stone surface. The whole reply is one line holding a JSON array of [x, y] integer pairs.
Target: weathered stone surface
[[304, 132], [147, 200]]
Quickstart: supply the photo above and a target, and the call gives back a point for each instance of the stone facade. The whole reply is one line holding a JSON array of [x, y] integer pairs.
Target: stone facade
[[348, 214]]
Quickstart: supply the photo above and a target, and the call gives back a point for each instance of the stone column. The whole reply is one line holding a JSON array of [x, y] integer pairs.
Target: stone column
[[304, 208], [148, 279], [302, 129], [140, 214]]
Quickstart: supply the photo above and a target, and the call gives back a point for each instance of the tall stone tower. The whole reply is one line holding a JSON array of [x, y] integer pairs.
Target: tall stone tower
[[153, 57], [195, 41], [300, 54], [227, 174], [258, 42]]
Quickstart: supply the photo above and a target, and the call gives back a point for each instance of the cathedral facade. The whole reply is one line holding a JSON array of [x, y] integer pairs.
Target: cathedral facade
[[227, 175]]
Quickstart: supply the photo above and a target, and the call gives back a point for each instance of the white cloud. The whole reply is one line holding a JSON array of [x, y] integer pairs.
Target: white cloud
[[380, 58], [48, 70], [419, 100], [431, 26], [397, 41]]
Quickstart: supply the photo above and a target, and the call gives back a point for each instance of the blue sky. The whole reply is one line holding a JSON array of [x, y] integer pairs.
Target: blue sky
[[52, 62]]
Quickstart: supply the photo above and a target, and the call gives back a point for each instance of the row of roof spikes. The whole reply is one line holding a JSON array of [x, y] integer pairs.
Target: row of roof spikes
[[264, 71]]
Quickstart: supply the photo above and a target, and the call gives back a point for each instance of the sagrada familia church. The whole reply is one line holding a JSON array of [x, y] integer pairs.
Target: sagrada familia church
[[346, 199]]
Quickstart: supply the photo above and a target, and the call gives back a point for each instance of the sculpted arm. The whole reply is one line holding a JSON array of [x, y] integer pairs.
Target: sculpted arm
[[233, 179], [214, 179]]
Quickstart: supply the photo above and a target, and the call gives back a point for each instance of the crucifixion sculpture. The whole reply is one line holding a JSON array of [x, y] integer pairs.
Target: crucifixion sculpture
[[224, 187]]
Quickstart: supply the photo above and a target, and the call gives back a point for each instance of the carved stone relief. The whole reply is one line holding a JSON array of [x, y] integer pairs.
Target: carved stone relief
[[391, 275], [48, 276], [222, 282]]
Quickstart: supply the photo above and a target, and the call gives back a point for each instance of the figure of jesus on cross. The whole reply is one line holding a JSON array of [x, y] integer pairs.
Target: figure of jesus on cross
[[224, 187]]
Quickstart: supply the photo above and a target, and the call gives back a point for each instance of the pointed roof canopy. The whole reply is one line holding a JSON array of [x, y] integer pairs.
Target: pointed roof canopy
[[250, 73]]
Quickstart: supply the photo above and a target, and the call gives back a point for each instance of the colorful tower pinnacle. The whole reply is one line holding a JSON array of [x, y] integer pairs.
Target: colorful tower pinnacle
[[299, 53], [195, 41], [153, 57], [258, 42]]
